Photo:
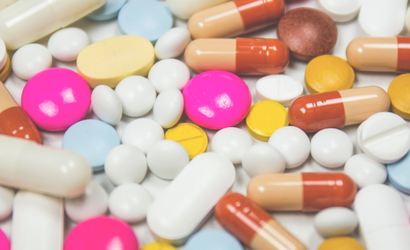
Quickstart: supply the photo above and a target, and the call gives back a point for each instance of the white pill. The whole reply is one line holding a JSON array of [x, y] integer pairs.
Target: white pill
[[3, 54], [331, 147], [169, 73], [341, 11], [168, 107], [293, 144], [142, 133], [137, 95], [408, 19], [382, 18], [125, 164], [172, 43], [66, 44], [365, 171], [6, 202], [384, 137], [184, 9], [232, 143], [106, 104], [167, 158], [129, 202], [335, 221], [92, 203], [280, 88], [263, 159], [30, 60]]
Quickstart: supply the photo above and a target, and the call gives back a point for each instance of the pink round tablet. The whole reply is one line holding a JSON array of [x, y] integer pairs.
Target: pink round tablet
[[217, 99], [101, 233], [4, 241], [56, 98]]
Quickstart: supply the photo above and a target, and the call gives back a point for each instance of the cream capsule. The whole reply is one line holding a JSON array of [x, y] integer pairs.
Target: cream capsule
[[243, 56], [235, 18], [380, 54], [306, 192]]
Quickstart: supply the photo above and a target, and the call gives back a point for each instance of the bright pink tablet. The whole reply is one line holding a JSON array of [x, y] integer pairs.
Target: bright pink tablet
[[101, 233], [56, 98], [4, 241], [217, 99]]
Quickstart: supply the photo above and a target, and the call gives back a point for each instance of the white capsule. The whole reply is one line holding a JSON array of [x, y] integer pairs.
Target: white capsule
[[106, 104], [142, 133], [66, 44], [168, 107], [172, 43], [335, 221], [262, 158], [30, 60], [169, 73]]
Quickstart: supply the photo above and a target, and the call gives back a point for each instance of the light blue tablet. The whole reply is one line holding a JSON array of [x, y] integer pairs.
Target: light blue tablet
[[109, 10], [399, 174], [213, 239]]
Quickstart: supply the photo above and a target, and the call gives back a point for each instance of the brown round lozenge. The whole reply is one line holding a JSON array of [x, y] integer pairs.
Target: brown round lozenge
[[307, 32]]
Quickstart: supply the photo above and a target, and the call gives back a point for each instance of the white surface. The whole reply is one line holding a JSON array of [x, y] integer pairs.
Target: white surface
[[106, 104], [186, 8], [142, 133], [168, 107], [172, 43], [262, 158], [66, 44], [30, 60], [335, 221], [280, 88], [365, 171], [341, 11], [6, 202], [169, 73]]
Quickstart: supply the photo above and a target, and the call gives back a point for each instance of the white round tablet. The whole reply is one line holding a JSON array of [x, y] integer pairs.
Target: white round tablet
[[137, 95], [125, 164], [232, 143], [6, 202], [331, 147], [92, 203], [30, 60], [172, 43], [341, 11], [3, 54], [280, 88], [168, 107], [142, 133], [167, 158], [365, 171], [169, 73], [66, 44], [129, 202], [106, 104], [293, 144], [384, 137], [335, 221], [262, 158]]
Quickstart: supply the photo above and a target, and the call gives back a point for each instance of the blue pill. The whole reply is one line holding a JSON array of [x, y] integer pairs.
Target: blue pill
[[147, 18], [109, 10], [92, 139], [399, 174], [213, 239]]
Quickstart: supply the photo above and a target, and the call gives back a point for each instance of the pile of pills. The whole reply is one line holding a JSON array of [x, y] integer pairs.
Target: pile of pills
[[183, 124]]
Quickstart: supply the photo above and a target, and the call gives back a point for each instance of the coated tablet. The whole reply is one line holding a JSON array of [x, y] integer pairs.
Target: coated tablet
[[186, 8], [335, 221], [169, 73], [109, 10], [30, 60], [215, 239], [66, 44], [172, 43], [399, 174], [168, 107], [158, 246], [279, 88], [341, 11], [365, 171], [3, 54], [142, 133], [6, 202], [262, 158], [106, 104]]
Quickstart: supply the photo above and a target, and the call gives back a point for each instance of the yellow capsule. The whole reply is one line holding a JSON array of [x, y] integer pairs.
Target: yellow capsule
[[399, 92], [158, 246], [341, 243]]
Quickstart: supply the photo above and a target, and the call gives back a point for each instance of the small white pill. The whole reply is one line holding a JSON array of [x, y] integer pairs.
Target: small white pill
[[167, 158], [169, 73], [142, 133], [66, 44], [92, 203], [341, 11], [365, 171], [262, 158], [280, 88], [293, 144], [125, 164], [232, 143], [137, 95], [172, 43], [331, 147], [129, 202], [30, 60], [168, 107], [6, 202], [106, 104], [335, 221]]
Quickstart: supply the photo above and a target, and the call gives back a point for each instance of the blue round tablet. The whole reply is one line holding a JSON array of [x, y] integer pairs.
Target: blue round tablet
[[109, 10], [399, 174], [214, 239], [92, 139], [147, 18]]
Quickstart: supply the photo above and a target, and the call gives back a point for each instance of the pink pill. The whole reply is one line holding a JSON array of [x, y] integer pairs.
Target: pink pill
[[4, 241], [101, 233], [56, 98], [217, 99]]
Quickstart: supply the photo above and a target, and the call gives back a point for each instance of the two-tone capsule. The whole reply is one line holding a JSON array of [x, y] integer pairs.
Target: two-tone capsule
[[337, 109], [252, 225], [243, 56], [306, 192], [235, 18]]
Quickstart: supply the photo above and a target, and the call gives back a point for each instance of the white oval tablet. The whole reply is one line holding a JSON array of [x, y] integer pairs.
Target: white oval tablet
[[172, 43], [341, 11], [92, 203], [262, 158], [335, 221], [365, 171], [106, 104], [168, 107], [279, 88], [137, 95], [183, 205], [6, 202], [142, 133], [129, 202], [30, 60], [169, 73], [3, 54], [66, 44]]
